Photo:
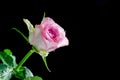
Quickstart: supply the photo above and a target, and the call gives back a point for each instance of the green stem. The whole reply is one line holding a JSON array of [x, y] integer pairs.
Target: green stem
[[24, 59]]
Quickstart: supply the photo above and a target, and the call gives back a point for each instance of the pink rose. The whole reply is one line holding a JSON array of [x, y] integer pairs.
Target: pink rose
[[47, 36]]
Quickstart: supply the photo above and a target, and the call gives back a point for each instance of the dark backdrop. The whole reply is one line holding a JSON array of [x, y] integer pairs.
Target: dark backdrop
[[63, 62], [86, 24], [105, 38]]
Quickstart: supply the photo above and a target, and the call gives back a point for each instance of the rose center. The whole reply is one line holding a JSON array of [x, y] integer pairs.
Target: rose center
[[52, 33]]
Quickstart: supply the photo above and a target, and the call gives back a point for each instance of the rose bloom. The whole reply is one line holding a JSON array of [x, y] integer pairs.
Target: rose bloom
[[47, 36]]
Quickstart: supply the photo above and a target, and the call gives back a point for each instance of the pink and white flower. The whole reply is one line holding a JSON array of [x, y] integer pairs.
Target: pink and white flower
[[47, 36]]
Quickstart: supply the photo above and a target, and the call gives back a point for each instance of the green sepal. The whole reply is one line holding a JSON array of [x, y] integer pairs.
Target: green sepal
[[45, 62], [44, 15], [29, 25], [17, 30]]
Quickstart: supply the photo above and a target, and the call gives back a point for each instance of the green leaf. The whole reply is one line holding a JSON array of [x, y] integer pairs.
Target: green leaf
[[19, 74], [23, 73], [28, 73], [7, 58], [8, 51], [21, 34], [34, 78], [5, 72]]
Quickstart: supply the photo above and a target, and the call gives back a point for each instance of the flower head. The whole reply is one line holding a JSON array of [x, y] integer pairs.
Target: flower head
[[47, 36]]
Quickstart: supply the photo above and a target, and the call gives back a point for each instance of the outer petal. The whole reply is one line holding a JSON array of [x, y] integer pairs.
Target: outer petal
[[50, 46], [36, 39], [64, 42], [47, 21]]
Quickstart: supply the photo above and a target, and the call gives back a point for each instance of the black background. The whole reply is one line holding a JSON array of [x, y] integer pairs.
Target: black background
[[88, 28], [63, 62]]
